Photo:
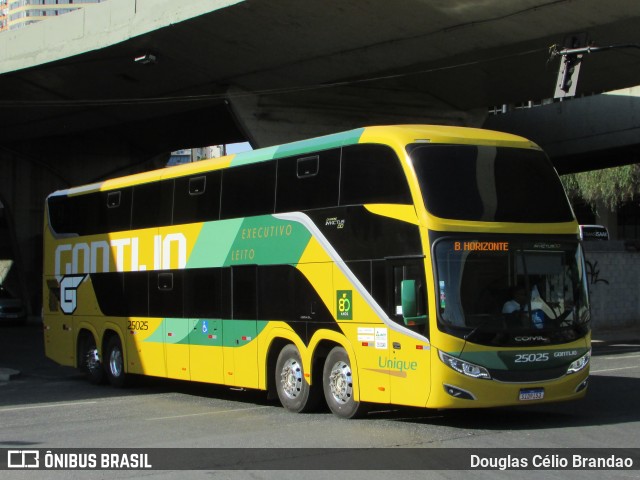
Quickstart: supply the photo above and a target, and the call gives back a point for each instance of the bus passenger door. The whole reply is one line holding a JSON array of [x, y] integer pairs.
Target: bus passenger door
[[203, 305], [205, 350], [240, 343], [165, 301], [177, 348], [408, 361]]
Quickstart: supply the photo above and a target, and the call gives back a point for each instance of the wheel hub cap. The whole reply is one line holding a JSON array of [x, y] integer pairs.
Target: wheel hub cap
[[340, 382], [291, 378], [115, 363], [93, 360]]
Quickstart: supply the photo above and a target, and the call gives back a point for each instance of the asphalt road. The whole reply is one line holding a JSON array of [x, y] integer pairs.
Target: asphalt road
[[49, 406]]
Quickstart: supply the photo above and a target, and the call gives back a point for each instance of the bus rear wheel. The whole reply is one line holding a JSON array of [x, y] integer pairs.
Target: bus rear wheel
[[89, 360], [337, 383], [294, 392], [114, 362]]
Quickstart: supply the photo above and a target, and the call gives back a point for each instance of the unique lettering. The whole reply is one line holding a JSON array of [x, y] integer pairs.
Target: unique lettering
[[395, 364]]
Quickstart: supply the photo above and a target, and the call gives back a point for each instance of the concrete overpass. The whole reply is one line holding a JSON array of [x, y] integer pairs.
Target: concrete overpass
[[228, 69], [582, 134], [76, 107]]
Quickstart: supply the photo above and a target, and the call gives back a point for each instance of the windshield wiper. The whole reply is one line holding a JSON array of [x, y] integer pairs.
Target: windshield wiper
[[482, 324]]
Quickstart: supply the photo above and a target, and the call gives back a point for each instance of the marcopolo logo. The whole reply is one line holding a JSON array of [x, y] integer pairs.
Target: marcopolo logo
[[345, 310]]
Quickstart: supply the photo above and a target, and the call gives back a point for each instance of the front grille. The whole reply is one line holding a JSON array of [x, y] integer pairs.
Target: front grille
[[528, 376]]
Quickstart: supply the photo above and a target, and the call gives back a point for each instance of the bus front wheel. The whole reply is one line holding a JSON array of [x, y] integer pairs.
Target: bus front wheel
[[337, 382], [114, 362], [294, 392]]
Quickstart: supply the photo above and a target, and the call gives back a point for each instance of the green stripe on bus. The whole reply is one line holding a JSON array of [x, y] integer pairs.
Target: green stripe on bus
[[296, 148], [266, 240], [235, 333], [213, 243], [262, 240]]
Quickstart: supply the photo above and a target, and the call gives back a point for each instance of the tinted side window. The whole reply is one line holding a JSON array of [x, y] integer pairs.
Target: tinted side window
[[82, 214], [116, 208], [202, 293], [277, 297], [372, 174], [248, 190], [362, 270], [406, 269], [165, 293], [62, 210], [152, 204], [307, 182], [136, 293], [286, 294], [109, 289], [244, 292], [56, 206], [197, 198], [122, 294], [379, 287], [98, 212]]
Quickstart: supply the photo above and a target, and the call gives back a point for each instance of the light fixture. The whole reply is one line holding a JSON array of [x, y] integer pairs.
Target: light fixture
[[146, 59]]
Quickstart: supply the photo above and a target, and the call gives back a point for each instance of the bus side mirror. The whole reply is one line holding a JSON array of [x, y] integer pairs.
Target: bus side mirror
[[409, 296]]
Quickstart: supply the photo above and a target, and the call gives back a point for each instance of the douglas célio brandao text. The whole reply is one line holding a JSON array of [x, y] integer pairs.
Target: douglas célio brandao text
[[569, 461]]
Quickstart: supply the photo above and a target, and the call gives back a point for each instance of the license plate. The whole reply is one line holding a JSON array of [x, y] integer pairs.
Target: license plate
[[531, 394]]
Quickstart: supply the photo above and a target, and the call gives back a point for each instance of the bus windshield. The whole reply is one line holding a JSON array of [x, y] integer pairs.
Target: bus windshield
[[503, 290], [500, 184]]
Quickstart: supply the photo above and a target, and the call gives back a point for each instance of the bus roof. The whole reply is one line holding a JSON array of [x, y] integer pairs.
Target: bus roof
[[394, 135]]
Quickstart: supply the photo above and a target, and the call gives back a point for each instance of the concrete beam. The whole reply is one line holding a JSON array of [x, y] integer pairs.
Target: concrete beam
[[95, 27], [580, 128], [272, 119]]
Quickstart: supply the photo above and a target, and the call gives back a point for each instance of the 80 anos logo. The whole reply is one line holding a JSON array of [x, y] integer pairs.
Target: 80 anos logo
[[344, 304]]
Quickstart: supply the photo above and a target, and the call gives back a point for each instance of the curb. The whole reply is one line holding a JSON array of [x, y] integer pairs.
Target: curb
[[7, 374]]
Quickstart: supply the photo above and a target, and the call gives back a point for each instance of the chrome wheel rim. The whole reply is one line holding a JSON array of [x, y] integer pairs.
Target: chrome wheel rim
[[291, 378], [92, 360], [340, 383], [115, 362]]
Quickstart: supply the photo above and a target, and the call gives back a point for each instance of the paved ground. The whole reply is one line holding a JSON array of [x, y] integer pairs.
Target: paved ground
[[53, 407]]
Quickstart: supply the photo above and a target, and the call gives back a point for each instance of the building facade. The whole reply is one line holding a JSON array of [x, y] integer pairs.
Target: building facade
[[20, 13], [4, 10]]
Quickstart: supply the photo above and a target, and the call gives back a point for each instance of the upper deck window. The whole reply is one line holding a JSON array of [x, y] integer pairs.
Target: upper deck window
[[491, 184]]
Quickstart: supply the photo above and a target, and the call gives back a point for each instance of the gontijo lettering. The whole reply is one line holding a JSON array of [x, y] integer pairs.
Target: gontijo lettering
[[97, 256]]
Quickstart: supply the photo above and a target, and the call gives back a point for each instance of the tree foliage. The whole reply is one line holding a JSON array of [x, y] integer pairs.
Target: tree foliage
[[609, 187]]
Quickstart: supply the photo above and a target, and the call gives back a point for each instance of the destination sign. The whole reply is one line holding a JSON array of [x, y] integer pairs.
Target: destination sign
[[473, 246]]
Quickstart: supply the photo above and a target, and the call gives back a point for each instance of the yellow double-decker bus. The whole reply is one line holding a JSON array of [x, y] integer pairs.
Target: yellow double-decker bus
[[426, 266]]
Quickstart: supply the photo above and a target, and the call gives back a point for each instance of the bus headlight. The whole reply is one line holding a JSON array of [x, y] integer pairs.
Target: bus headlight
[[466, 368], [580, 363]]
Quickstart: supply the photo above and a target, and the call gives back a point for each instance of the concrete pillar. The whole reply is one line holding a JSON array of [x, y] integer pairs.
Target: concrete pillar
[[28, 176]]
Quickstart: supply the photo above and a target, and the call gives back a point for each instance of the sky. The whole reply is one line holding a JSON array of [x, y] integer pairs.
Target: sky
[[238, 147]]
